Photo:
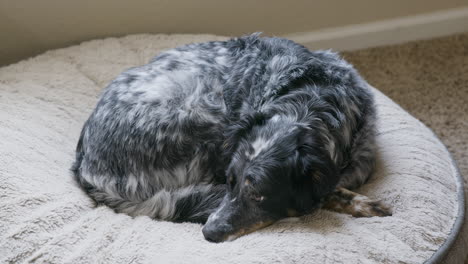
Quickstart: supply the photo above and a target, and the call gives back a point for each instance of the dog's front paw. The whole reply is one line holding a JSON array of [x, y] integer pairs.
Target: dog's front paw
[[368, 208], [357, 205]]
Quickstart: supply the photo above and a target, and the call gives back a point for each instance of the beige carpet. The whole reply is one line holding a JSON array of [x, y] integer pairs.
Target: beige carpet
[[430, 80]]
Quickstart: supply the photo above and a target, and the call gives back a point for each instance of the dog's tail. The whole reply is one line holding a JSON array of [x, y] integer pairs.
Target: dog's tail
[[189, 204]]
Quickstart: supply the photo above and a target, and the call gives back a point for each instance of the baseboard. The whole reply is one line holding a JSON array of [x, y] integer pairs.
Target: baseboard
[[386, 32]]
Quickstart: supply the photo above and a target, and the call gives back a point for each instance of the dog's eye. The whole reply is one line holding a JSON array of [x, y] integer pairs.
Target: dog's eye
[[232, 182]]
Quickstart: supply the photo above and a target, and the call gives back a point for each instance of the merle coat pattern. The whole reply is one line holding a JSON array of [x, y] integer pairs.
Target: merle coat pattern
[[248, 130]]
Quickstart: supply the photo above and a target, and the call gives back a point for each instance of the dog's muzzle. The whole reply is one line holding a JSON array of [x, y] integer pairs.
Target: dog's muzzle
[[214, 234]]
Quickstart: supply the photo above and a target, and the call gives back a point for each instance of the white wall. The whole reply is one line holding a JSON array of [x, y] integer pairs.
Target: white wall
[[30, 27]]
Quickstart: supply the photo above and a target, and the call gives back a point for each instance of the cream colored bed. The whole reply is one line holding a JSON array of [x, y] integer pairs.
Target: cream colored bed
[[45, 218]]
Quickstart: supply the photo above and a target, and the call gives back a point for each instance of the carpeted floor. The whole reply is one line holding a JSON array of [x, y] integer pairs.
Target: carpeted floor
[[430, 80]]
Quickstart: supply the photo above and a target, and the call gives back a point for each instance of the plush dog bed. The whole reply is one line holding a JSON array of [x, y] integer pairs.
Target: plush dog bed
[[45, 218]]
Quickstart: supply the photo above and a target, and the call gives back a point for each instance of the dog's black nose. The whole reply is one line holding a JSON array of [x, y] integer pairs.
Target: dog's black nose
[[213, 234]]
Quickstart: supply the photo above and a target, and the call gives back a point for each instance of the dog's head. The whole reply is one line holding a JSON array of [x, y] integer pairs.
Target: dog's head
[[277, 168]]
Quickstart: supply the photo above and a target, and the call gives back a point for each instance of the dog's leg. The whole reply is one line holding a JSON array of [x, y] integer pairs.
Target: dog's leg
[[348, 202]]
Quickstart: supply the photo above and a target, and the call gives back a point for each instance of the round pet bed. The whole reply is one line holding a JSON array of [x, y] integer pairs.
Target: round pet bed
[[45, 218]]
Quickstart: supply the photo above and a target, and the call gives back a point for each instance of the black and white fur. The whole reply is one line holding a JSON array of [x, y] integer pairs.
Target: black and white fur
[[285, 126]]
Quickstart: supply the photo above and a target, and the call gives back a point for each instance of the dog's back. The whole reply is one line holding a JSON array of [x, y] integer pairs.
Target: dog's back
[[151, 145]]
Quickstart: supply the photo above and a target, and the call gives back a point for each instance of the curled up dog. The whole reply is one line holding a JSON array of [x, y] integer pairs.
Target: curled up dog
[[234, 134]]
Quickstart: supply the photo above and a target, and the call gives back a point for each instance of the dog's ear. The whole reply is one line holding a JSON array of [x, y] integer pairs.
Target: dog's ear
[[317, 175]]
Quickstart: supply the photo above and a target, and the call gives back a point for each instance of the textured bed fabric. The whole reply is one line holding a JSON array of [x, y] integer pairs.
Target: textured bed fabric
[[429, 79], [45, 218]]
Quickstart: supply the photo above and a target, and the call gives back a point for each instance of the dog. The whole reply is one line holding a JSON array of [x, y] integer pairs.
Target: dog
[[232, 134]]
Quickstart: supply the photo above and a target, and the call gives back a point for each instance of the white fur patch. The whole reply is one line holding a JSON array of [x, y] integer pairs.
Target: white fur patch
[[259, 145], [214, 216], [132, 184], [231, 237]]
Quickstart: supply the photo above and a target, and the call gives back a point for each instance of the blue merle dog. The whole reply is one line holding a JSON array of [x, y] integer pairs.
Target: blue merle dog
[[235, 134]]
